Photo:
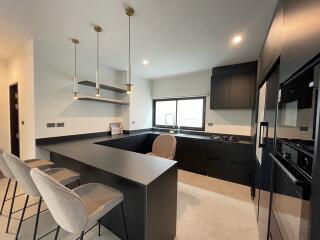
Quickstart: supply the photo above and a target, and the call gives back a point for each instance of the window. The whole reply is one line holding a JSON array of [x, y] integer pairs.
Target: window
[[186, 113]]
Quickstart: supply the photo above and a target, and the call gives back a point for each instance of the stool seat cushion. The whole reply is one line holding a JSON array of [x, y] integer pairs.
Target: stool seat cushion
[[98, 200], [63, 175], [39, 163]]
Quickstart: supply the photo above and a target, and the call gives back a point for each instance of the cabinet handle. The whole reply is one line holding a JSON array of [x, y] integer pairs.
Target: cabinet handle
[[263, 126]]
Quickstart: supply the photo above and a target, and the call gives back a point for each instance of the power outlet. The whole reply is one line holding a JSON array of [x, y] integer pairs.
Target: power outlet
[[51, 125], [210, 124], [60, 124]]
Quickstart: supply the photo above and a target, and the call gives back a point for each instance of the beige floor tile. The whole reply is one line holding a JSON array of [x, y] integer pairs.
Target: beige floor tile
[[208, 208]]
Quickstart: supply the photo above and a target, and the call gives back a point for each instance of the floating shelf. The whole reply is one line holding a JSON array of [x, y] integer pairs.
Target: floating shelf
[[100, 99], [103, 86]]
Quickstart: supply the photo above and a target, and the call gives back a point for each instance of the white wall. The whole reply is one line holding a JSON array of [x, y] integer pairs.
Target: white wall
[[138, 115], [198, 84], [4, 106], [54, 67], [21, 71]]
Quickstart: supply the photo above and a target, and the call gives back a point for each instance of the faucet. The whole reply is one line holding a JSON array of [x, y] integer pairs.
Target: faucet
[[173, 122]]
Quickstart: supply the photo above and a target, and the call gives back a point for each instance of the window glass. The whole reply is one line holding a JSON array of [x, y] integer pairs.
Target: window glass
[[190, 113], [184, 113], [165, 113]]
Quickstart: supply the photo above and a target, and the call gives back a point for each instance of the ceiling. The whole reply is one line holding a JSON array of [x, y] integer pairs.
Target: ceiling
[[176, 36]]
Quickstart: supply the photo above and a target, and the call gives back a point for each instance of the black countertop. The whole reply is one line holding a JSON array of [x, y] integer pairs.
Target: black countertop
[[137, 167], [133, 166]]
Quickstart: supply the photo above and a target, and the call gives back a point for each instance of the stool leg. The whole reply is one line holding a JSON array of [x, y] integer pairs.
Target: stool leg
[[81, 236], [99, 226], [22, 216], [11, 207], [124, 221], [5, 196], [57, 233], [37, 220]]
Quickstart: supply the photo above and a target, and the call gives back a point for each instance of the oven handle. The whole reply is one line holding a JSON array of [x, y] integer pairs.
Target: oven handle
[[285, 170]]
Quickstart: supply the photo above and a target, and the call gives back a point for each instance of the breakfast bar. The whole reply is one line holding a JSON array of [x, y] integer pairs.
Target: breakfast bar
[[149, 184]]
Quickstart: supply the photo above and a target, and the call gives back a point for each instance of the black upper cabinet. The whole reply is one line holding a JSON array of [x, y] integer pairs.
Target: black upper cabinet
[[301, 35], [220, 89], [232, 87], [271, 49]]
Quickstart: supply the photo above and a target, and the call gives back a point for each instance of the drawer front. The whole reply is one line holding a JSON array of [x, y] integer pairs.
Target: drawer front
[[229, 171], [232, 152]]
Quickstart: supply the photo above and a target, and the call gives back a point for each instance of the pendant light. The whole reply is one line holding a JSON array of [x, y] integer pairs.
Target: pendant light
[[75, 80], [129, 13], [98, 29]]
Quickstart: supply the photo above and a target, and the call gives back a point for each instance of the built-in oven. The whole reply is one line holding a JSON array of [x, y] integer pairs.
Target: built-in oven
[[296, 119], [290, 202]]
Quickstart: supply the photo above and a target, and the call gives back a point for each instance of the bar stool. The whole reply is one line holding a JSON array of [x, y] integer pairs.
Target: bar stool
[[21, 172], [43, 164], [76, 210], [164, 146]]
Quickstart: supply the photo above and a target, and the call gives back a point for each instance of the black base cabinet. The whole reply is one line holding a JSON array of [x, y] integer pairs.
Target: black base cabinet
[[225, 160], [191, 155], [230, 161]]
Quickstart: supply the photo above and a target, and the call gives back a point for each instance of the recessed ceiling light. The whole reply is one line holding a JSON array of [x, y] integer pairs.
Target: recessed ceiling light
[[237, 39], [145, 62]]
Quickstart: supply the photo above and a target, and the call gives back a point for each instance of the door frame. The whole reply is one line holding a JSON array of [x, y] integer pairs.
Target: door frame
[[14, 120]]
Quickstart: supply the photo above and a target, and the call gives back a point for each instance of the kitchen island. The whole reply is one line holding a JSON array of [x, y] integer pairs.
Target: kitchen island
[[149, 183]]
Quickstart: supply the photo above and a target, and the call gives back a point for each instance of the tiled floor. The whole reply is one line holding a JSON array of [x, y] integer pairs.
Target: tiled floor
[[208, 208]]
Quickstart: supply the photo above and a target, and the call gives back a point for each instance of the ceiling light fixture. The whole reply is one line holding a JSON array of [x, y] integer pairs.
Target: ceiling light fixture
[[98, 29], [237, 39], [75, 81], [145, 62], [129, 12]]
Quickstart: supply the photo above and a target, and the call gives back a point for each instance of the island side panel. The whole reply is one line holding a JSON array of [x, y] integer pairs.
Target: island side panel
[[162, 206], [134, 197]]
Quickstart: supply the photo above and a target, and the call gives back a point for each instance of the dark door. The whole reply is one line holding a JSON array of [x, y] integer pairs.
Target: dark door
[[14, 120], [241, 90], [265, 145], [220, 92], [301, 35]]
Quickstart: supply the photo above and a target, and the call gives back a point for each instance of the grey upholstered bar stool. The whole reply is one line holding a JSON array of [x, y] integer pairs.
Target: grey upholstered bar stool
[[42, 164], [78, 209], [21, 172], [164, 146]]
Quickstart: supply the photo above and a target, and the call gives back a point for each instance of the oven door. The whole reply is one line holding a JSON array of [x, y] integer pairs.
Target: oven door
[[290, 202]]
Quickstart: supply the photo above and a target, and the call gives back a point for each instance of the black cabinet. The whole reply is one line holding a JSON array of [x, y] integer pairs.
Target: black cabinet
[[232, 87], [191, 154], [301, 35], [271, 49], [220, 92], [230, 161]]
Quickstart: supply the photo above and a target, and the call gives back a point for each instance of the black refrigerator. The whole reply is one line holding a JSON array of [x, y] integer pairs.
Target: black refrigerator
[[264, 144]]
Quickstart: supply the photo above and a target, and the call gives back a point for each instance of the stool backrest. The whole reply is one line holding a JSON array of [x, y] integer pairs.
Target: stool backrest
[[21, 172], [4, 167], [165, 146], [66, 207]]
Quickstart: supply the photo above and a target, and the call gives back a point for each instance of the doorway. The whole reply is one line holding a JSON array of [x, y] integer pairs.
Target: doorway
[[14, 119]]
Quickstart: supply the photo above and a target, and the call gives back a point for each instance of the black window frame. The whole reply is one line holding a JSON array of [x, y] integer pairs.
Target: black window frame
[[176, 99]]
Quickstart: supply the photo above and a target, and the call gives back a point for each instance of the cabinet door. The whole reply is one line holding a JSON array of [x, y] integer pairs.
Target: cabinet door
[[271, 49], [241, 91], [228, 171], [192, 155], [301, 35], [220, 92]]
